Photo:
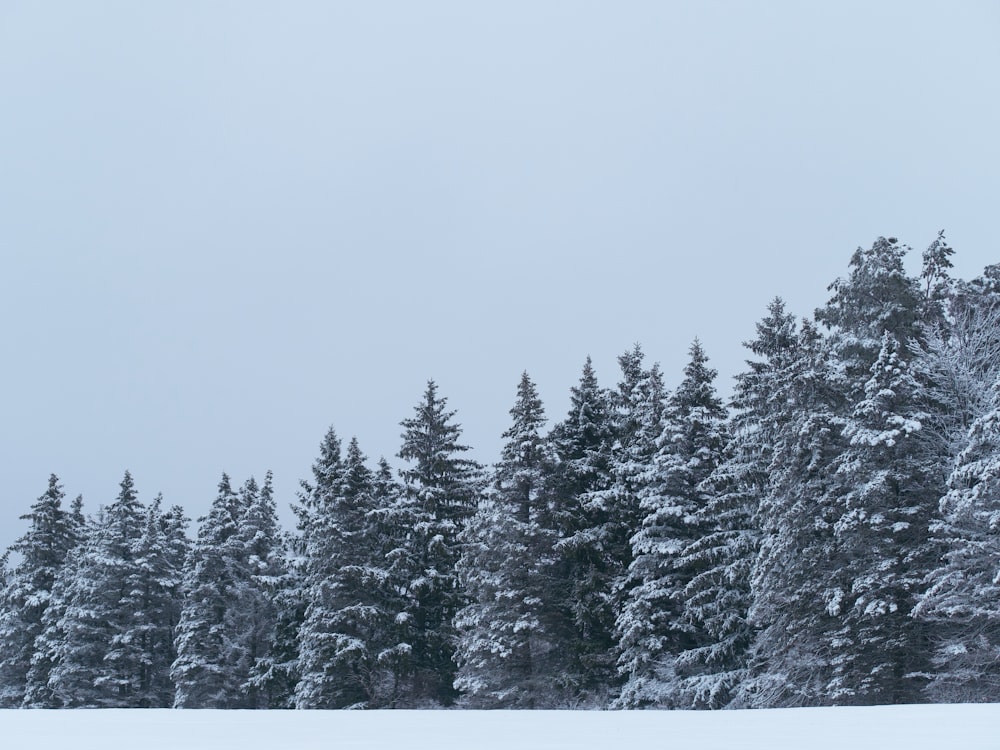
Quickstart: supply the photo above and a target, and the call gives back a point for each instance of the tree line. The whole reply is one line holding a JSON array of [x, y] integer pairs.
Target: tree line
[[831, 536]]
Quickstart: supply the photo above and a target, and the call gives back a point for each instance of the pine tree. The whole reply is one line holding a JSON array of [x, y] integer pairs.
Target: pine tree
[[654, 627], [506, 648], [894, 483], [440, 493], [936, 280], [154, 597], [260, 562], [719, 597], [614, 512], [876, 297], [27, 590], [346, 624], [50, 640], [276, 675], [582, 444], [96, 662], [206, 672], [791, 590], [961, 599], [392, 565], [317, 503]]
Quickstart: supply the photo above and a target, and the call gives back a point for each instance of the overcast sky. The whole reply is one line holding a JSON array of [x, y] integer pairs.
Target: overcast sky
[[225, 226]]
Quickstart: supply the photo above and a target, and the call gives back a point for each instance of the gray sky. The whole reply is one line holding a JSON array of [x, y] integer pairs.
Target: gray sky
[[225, 226]]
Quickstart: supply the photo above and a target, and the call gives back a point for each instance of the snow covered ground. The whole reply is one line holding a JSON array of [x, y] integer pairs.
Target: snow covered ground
[[907, 727]]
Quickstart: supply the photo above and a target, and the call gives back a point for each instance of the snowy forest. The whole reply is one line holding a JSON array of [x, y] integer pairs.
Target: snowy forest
[[830, 536]]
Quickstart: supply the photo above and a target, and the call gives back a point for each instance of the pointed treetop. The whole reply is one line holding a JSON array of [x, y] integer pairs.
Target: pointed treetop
[[528, 405], [937, 261], [127, 501], [357, 475], [528, 419], [431, 429], [327, 466], [697, 389], [877, 296], [775, 332]]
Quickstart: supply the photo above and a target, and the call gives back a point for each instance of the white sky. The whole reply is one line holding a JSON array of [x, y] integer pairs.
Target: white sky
[[225, 226]]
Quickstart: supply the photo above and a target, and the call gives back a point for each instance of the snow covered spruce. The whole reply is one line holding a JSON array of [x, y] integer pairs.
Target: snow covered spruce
[[831, 537]]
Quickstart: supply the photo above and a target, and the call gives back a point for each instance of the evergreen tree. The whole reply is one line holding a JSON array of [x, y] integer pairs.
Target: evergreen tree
[[261, 563], [877, 296], [27, 590], [894, 482], [440, 493], [656, 629], [206, 672], [937, 283], [391, 568], [96, 662], [506, 648], [582, 445], [229, 619], [346, 624], [153, 595], [317, 502], [719, 596], [275, 676], [961, 599], [614, 510], [791, 586]]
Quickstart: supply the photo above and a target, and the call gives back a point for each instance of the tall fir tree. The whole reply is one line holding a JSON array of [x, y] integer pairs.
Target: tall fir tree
[[153, 595], [206, 671], [893, 479], [507, 647], [27, 590], [877, 296], [96, 662], [719, 596], [656, 629], [789, 662], [614, 511], [317, 503], [582, 445], [440, 494], [262, 567], [964, 588], [392, 567], [347, 623]]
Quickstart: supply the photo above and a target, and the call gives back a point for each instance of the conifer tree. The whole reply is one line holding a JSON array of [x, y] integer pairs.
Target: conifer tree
[[27, 590], [655, 627], [507, 647], [582, 444], [877, 296], [440, 494], [718, 597], [346, 623], [96, 662], [894, 483], [963, 591], [261, 564], [154, 597], [614, 509], [206, 671], [937, 283], [274, 677], [391, 568], [791, 590]]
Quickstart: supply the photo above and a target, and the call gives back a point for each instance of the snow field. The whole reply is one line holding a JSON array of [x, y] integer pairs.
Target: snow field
[[927, 727]]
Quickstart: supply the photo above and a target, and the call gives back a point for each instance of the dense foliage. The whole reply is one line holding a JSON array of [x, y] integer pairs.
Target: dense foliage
[[829, 537]]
